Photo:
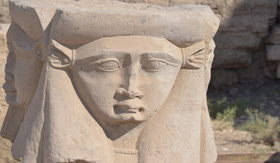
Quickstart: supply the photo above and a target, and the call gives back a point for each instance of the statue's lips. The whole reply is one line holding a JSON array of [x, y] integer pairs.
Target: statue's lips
[[128, 107], [9, 88]]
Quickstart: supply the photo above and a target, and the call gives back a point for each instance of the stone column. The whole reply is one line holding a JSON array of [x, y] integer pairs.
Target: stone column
[[107, 81]]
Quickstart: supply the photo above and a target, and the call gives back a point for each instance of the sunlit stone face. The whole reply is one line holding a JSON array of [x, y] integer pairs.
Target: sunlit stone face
[[126, 78], [23, 69]]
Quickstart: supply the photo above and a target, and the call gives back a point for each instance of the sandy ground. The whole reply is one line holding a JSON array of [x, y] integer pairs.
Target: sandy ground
[[230, 141]]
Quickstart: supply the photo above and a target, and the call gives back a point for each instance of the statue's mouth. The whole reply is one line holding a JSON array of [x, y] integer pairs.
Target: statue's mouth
[[127, 108], [9, 89]]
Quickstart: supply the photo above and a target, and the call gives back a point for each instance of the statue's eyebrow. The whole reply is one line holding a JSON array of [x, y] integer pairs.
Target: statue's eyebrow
[[25, 52], [101, 55], [160, 55]]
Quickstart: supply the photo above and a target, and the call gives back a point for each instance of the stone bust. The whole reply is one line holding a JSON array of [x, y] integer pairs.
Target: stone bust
[[116, 82]]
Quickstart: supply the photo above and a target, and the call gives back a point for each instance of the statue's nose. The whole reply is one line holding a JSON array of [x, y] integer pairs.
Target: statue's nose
[[130, 86], [130, 90], [9, 77], [129, 93]]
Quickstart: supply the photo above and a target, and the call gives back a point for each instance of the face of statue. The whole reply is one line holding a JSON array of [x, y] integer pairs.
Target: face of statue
[[126, 78], [22, 69]]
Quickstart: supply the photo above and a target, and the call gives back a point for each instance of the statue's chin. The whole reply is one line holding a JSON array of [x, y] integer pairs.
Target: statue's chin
[[12, 100]]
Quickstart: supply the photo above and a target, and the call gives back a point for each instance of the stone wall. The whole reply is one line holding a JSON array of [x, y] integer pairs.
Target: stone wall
[[3, 57], [4, 11], [273, 45], [244, 23]]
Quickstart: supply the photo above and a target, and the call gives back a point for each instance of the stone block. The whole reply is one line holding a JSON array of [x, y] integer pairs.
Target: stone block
[[267, 8], [255, 24], [278, 71], [273, 52], [222, 78], [228, 8], [164, 3], [229, 58], [3, 40], [4, 14], [274, 36], [237, 40], [5, 2], [213, 4]]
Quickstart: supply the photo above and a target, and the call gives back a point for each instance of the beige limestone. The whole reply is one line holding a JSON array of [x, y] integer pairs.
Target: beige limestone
[[244, 24], [20, 86], [237, 17], [5, 144], [4, 11], [106, 81]]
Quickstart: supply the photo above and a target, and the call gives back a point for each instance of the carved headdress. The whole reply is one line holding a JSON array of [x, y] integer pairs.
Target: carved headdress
[[58, 127], [26, 37]]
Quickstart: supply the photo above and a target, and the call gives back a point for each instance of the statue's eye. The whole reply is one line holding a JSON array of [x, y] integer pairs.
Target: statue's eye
[[154, 65], [23, 53], [109, 64]]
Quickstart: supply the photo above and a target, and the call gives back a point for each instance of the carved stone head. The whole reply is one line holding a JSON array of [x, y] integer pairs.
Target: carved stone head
[[126, 78], [119, 83], [22, 69]]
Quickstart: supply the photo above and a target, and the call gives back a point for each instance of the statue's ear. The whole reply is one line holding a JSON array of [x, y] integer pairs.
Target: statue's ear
[[193, 56], [61, 57], [40, 51]]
